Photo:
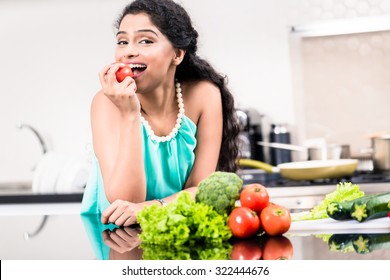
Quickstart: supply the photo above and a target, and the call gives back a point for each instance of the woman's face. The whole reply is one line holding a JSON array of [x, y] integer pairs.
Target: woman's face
[[145, 48]]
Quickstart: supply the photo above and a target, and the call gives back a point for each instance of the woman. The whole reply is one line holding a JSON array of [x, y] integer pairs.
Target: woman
[[163, 130]]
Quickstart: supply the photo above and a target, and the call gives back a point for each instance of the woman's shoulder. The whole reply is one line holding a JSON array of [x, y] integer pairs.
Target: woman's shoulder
[[101, 101], [201, 89], [200, 96], [101, 105]]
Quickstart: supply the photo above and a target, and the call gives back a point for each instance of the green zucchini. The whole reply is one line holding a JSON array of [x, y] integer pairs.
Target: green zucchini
[[342, 210], [341, 242], [366, 243], [375, 207]]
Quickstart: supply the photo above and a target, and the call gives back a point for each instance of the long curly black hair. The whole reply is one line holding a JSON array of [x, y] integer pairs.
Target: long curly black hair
[[174, 22]]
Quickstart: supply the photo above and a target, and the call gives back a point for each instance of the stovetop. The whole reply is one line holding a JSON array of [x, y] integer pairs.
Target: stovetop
[[276, 180]]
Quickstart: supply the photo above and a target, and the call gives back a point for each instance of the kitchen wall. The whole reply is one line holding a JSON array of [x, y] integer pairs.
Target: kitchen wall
[[51, 52], [349, 77], [341, 80]]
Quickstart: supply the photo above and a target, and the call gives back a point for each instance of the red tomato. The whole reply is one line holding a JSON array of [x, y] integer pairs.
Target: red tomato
[[278, 248], [246, 249], [243, 222], [123, 72], [255, 197], [275, 219]]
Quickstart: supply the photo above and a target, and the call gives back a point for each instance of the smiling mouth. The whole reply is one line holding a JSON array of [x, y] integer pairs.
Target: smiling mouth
[[137, 68]]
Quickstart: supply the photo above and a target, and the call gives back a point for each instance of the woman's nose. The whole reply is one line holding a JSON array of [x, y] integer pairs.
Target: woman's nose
[[130, 51]]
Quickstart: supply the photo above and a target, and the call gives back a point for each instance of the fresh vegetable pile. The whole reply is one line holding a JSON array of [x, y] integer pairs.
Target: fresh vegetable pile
[[360, 243], [257, 214], [197, 252], [362, 208], [213, 218], [344, 192], [348, 202], [220, 190], [182, 222]]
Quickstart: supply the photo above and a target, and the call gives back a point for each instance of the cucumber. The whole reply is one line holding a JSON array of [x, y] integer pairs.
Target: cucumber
[[366, 243], [342, 210], [341, 242], [375, 207]]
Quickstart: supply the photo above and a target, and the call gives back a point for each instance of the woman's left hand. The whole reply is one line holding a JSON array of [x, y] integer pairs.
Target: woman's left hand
[[121, 213]]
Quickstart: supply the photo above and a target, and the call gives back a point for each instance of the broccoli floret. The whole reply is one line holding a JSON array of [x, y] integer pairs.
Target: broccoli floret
[[220, 190]]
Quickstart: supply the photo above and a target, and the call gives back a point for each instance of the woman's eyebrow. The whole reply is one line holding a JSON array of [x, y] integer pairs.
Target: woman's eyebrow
[[138, 31]]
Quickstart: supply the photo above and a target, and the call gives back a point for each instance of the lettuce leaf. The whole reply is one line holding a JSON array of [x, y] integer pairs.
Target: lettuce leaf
[[344, 192], [198, 252], [182, 222]]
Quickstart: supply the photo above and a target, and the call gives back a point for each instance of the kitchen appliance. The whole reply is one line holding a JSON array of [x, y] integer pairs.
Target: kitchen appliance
[[381, 152], [307, 170], [279, 134], [330, 151], [250, 133], [368, 180]]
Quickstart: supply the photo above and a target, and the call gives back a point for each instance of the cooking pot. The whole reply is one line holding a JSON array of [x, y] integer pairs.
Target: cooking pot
[[331, 151], [381, 152], [307, 170]]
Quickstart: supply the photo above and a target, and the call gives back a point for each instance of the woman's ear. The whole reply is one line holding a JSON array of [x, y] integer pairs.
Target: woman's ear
[[179, 55]]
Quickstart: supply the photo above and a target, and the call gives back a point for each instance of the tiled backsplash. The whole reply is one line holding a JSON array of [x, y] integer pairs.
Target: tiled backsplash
[[346, 86], [342, 80], [307, 11]]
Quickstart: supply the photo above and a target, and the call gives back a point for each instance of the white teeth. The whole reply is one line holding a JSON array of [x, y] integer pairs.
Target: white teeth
[[136, 65]]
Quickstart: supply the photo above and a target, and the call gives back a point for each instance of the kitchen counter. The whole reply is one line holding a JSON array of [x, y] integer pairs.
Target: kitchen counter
[[58, 232], [21, 193]]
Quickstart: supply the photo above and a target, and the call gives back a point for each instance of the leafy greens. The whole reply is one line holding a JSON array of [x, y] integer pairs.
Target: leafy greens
[[344, 192], [182, 222]]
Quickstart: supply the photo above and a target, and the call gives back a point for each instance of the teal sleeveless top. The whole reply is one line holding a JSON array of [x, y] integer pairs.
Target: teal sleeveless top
[[167, 167]]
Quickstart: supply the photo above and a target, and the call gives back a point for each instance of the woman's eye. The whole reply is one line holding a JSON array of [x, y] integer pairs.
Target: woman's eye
[[122, 43], [146, 41]]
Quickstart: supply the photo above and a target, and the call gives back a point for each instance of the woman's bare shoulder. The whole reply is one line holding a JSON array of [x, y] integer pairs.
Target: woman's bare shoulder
[[99, 99], [103, 110], [101, 102], [199, 97]]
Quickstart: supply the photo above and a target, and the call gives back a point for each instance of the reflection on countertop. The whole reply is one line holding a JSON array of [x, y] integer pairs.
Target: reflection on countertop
[[69, 236]]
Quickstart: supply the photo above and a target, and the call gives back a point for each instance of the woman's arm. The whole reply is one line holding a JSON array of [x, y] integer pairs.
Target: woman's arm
[[209, 137], [209, 131], [117, 138]]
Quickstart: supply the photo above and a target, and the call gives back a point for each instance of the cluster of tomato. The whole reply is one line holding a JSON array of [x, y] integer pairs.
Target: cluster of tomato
[[262, 248], [256, 213]]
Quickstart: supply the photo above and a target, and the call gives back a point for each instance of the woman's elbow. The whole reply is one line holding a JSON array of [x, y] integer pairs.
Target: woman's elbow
[[127, 193]]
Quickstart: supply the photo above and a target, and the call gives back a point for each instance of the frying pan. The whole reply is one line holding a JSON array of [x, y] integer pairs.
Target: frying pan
[[306, 170], [330, 151]]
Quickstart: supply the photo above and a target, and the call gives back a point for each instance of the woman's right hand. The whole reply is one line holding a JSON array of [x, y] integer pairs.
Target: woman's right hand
[[122, 94]]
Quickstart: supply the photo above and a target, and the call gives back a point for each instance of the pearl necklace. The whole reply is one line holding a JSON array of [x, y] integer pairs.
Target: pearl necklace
[[178, 120]]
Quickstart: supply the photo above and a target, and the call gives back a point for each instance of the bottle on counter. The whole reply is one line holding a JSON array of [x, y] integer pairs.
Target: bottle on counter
[[279, 134]]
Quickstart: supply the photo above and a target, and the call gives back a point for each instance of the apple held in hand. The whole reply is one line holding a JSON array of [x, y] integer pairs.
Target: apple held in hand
[[123, 72]]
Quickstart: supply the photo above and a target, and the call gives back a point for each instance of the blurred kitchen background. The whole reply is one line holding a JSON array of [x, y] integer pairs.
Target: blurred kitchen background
[[319, 67]]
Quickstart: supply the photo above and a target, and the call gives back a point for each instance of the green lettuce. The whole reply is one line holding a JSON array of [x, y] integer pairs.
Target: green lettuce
[[344, 192], [182, 222], [198, 252]]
